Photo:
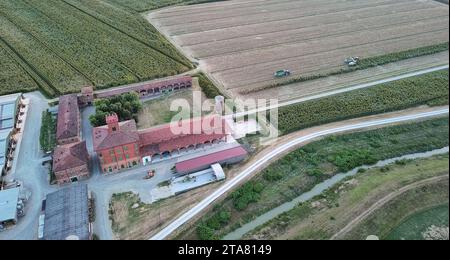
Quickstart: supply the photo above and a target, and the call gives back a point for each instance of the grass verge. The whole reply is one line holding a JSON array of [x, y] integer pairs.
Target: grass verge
[[328, 213], [47, 137]]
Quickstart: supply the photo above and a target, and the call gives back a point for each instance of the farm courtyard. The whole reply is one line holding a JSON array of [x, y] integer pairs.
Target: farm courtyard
[[242, 43]]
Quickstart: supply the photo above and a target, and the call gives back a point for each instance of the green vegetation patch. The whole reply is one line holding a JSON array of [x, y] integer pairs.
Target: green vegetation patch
[[415, 226], [12, 75], [47, 137], [336, 207], [301, 170], [210, 90], [419, 205], [126, 106], [146, 5], [427, 89], [364, 63]]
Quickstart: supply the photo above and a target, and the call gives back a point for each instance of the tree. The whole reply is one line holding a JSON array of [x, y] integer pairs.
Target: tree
[[126, 106]]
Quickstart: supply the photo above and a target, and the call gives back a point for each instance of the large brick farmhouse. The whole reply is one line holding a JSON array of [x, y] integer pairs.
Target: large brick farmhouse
[[117, 144], [120, 145]]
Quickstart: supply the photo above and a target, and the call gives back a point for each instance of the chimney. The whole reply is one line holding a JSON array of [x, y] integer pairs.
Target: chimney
[[113, 122]]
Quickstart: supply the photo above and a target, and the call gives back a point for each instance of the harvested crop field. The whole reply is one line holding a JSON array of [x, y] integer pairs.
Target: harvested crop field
[[241, 43]]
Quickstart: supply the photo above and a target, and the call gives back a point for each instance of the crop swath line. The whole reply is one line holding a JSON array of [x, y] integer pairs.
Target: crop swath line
[[50, 50], [306, 70], [312, 26], [200, 9], [293, 58], [175, 22], [328, 36], [33, 69], [287, 19], [131, 36]]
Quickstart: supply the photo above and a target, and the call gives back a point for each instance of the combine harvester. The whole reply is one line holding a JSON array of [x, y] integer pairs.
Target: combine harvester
[[352, 61], [282, 73]]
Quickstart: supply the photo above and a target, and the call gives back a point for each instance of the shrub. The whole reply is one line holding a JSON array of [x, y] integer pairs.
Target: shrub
[[126, 106], [248, 193]]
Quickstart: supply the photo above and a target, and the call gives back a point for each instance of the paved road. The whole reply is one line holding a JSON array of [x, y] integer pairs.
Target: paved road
[[164, 233]]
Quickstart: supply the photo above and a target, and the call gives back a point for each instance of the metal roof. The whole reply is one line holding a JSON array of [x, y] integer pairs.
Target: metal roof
[[207, 160], [8, 110], [67, 214], [8, 204], [8, 107]]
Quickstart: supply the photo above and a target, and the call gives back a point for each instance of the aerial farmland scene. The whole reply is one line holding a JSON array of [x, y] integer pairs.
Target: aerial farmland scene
[[231, 120]]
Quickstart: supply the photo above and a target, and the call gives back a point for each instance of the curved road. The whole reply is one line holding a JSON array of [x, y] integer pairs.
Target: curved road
[[165, 232]]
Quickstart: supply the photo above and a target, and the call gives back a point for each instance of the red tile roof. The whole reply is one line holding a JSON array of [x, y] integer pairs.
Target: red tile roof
[[126, 134], [70, 156], [210, 159], [161, 139], [146, 86], [68, 117]]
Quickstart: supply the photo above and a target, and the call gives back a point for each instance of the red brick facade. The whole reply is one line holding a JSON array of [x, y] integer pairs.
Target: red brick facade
[[119, 157], [119, 145]]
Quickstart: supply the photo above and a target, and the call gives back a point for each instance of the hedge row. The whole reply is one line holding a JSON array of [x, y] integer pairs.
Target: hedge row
[[428, 89]]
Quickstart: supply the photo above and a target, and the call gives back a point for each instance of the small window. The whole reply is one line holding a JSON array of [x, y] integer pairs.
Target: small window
[[125, 148], [127, 156]]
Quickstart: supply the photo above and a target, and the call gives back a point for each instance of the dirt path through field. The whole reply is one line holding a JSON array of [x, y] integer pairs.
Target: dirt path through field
[[380, 203]]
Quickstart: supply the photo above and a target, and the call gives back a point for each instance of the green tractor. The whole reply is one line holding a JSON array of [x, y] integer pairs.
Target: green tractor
[[282, 73]]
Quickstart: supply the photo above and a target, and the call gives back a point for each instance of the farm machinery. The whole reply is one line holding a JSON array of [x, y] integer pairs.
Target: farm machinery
[[282, 73], [150, 174], [352, 61]]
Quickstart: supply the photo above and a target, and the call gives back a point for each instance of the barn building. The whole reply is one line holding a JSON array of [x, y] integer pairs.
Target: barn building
[[68, 126], [12, 108], [66, 214], [150, 89], [71, 162], [223, 158]]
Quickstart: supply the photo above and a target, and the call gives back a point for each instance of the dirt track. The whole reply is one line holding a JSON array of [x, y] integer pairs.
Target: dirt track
[[380, 203], [241, 43]]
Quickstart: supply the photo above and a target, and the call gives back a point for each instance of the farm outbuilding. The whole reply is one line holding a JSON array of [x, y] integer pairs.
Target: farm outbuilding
[[225, 157], [67, 214], [9, 200]]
